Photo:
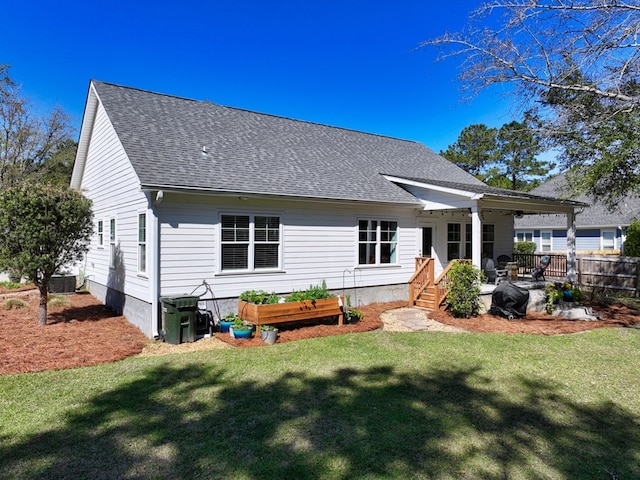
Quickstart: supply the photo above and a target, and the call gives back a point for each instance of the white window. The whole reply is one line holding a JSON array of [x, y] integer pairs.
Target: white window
[[468, 240], [524, 236], [488, 239], [142, 243], [454, 235], [377, 242], [100, 233], [608, 239], [112, 243], [250, 242], [545, 241]]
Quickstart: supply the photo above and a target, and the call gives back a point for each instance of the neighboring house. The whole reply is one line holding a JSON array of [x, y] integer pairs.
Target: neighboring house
[[188, 191], [599, 229]]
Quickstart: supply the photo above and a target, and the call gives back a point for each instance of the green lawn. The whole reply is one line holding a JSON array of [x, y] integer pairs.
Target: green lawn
[[363, 406]]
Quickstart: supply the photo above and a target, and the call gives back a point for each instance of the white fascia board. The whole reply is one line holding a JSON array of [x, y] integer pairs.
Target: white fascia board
[[86, 131], [529, 206], [436, 188]]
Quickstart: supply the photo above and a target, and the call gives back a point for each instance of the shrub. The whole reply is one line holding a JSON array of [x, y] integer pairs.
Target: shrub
[[632, 243], [464, 293], [16, 303], [554, 295], [11, 285], [58, 301], [524, 247]]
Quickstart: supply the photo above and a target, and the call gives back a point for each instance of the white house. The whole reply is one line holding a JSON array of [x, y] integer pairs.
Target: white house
[[187, 191], [599, 229]]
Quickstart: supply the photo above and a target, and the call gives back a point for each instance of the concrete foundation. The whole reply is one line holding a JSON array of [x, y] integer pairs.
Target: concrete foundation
[[138, 312]]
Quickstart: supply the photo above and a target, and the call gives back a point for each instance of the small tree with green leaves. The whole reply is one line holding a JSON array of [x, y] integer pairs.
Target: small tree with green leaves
[[632, 243], [42, 229], [464, 292]]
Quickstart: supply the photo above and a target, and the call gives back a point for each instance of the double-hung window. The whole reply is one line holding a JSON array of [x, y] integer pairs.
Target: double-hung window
[[100, 233], [488, 239], [525, 236], [608, 240], [142, 243], [112, 243], [250, 242], [377, 242], [468, 240], [454, 235], [546, 238]]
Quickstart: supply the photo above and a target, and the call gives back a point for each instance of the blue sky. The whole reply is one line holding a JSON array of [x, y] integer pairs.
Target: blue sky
[[352, 64]]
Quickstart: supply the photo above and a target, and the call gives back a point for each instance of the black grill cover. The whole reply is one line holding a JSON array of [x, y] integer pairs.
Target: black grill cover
[[509, 301]]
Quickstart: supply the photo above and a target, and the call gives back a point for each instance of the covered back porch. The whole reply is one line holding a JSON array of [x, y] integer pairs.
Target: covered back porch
[[427, 290], [462, 222]]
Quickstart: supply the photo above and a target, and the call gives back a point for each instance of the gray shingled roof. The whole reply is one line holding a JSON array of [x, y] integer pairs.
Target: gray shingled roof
[[595, 215], [249, 152]]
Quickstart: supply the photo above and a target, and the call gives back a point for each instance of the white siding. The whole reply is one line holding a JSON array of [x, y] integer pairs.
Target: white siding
[[319, 242], [503, 233], [110, 182]]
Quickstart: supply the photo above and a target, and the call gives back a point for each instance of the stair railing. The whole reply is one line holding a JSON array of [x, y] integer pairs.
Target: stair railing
[[443, 285], [421, 279]]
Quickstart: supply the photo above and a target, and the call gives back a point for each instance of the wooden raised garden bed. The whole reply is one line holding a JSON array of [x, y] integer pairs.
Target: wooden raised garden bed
[[269, 314]]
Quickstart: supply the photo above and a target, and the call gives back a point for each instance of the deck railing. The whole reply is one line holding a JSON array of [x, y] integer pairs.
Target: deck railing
[[423, 279], [443, 284], [528, 261]]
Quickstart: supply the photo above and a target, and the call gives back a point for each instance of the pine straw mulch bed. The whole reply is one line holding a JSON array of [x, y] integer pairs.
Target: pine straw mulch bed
[[87, 333]]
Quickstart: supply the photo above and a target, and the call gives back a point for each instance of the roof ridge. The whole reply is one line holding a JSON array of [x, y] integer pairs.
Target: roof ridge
[[255, 112]]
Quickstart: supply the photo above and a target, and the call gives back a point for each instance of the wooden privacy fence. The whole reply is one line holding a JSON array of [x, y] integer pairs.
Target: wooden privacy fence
[[593, 271], [615, 273]]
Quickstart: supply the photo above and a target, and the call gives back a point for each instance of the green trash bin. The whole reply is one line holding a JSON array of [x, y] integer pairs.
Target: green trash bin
[[179, 319]]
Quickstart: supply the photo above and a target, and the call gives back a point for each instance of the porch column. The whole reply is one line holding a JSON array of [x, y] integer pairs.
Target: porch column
[[571, 247], [476, 237]]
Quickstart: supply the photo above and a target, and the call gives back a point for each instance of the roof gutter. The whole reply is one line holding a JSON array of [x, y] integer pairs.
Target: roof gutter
[[244, 195]]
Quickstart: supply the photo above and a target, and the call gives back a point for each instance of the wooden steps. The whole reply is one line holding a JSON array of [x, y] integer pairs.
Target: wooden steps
[[427, 299]]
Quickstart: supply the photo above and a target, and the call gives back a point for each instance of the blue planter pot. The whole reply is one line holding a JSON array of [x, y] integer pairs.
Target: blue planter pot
[[567, 295], [242, 333], [224, 326]]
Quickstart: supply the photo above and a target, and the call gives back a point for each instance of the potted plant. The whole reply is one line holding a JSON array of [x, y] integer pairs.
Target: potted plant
[[227, 321], [554, 293], [241, 329], [351, 315], [268, 333]]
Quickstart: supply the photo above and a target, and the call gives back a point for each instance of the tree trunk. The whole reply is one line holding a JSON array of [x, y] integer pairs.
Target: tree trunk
[[44, 297]]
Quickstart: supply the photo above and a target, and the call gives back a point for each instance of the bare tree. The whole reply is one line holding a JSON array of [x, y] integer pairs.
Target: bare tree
[[573, 63], [578, 46], [26, 140]]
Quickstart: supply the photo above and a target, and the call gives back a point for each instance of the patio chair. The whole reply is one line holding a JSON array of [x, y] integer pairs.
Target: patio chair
[[489, 269], [538, 273], [503, 260], [502, 274]]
